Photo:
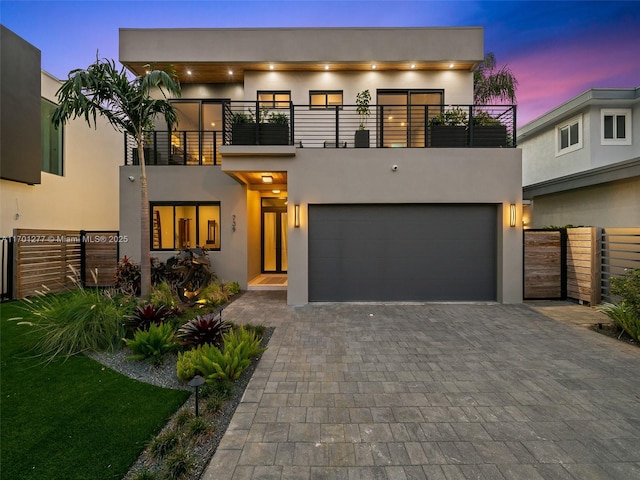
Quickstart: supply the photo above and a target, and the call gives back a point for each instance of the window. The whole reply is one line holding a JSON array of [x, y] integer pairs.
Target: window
[[569, 136], [616, 126], [325, 99], [279, 99], [51, 140], [178, 225]]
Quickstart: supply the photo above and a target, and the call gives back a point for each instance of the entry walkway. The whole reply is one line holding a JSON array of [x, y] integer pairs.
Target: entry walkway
[[435, 391]]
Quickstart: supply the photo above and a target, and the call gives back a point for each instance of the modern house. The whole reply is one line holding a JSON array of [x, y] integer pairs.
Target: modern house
[[63, 179], [274, 169], [581, 161]]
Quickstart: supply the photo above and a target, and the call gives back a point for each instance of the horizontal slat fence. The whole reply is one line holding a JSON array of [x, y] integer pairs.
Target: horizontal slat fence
[[620, 253], [544, 264], [46, 258], [43, 257], [583, 264], [99, 257]]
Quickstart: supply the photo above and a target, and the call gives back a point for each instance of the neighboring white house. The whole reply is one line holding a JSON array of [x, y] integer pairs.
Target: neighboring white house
[[581, 161], [262, 170], [64, 180]]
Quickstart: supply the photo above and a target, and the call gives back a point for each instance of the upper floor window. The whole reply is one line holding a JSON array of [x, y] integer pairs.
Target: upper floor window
[[274, 99], [615, 126], [325, 99], [51, 139], [569, 135]]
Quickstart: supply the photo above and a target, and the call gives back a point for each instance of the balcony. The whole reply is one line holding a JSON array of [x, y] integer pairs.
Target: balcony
[[309, 126]]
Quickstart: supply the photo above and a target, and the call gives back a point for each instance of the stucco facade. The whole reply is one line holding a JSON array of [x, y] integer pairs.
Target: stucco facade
[[436, 60]]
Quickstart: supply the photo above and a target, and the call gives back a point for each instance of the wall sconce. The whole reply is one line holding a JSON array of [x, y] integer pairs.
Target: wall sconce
[[512, 215], [233, 223], [296, 215]]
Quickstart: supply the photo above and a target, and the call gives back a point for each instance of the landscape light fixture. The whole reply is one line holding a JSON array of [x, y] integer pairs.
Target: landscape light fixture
[[197, 382], [512, 215]]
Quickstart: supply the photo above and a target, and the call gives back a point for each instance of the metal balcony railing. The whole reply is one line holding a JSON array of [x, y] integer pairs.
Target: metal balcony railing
[[340, 126], [178, 147]]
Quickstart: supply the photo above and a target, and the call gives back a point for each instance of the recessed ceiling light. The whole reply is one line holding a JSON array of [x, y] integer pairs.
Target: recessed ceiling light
[[413, 65], [267, 179], [271, 67], [326, 67], [451, 65], [188, 72], [230, 72], [213, 124], [373, 66]]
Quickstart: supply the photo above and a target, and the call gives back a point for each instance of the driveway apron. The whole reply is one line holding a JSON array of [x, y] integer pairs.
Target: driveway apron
[[431, 391]]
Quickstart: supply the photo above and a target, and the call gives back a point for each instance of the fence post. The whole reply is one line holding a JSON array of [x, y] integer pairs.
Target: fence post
[[83, 258]]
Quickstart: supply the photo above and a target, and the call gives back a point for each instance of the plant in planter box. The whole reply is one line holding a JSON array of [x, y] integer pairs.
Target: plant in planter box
[[487, 131], [363, 99], [275, 131], [449, 128], [243, 129]]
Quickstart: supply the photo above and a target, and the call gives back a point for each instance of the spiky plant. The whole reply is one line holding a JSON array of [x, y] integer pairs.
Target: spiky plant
[[146, 315], [204, 329]]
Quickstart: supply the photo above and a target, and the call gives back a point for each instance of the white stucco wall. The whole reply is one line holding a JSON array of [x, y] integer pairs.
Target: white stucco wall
[[615, 204], [85, 197], [190, 184], [457, 85]]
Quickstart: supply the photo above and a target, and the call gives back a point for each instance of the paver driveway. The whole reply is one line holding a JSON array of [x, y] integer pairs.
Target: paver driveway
[[436, 391]]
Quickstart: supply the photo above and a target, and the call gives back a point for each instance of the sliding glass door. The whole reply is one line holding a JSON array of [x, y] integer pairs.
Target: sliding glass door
[[403, 116]]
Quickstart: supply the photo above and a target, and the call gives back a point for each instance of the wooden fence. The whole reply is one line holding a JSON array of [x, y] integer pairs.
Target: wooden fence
[[583, 264], [564, 263], [50, 258], [620, 253], [544, 262]]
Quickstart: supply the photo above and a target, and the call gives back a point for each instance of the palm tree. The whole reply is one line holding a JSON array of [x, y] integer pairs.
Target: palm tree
[[490, 84], [102, 90]]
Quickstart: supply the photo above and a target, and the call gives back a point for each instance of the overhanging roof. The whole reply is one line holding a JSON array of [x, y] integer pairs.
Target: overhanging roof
[[211, 53], [624, 97]]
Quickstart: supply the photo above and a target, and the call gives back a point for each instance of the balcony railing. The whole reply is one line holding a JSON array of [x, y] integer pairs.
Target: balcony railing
[[311, 126]]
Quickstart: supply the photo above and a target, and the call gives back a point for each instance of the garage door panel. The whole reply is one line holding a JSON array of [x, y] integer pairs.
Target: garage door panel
[[402, 252]]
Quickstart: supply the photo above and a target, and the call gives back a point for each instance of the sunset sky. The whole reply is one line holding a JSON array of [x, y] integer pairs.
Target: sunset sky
[[557, 49]]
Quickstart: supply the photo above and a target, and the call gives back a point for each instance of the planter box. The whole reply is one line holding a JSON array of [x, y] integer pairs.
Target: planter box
[[445, 136], [489, 136], [274, 134], [361, 139], [243, 134]]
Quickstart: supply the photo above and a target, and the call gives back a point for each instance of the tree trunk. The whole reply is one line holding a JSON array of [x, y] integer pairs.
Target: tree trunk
[[145, 239]]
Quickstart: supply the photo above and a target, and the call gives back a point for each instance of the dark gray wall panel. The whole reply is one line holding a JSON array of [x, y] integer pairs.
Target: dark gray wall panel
[[20, 150], [402, 252]]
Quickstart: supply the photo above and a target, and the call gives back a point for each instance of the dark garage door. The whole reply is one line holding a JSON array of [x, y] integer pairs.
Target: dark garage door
[[402, 252]]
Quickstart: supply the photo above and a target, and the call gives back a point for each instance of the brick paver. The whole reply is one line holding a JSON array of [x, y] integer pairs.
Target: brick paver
[[434, 391]]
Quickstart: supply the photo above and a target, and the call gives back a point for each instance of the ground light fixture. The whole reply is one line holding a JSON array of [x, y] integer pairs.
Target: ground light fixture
[[512, 215], [196, 382], [296, 215]]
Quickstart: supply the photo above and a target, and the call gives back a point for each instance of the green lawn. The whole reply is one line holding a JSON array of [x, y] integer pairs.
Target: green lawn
[[74, 419]]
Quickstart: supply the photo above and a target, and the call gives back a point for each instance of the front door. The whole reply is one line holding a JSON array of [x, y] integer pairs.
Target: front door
[[274, 235]]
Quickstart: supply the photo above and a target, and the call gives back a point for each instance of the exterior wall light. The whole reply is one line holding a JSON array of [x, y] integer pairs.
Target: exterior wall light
[[296, 215], [512, 215]]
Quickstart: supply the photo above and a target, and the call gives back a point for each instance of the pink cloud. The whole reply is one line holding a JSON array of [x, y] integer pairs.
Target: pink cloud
[[553, 74]]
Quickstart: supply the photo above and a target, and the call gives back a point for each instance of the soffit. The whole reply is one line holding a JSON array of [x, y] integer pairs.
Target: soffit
[[219, 73], [255, 182]]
